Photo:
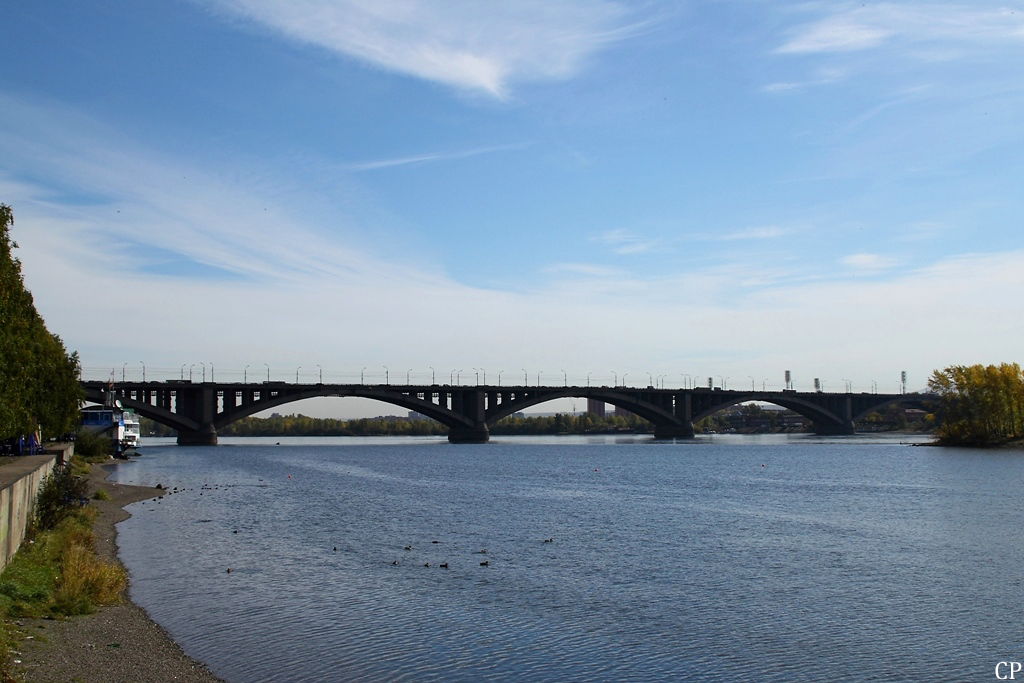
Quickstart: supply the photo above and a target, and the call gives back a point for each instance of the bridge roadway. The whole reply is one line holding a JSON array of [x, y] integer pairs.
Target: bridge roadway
[[198, 410]]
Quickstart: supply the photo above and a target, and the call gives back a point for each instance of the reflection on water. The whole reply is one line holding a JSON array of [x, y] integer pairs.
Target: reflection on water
[[607, 558]]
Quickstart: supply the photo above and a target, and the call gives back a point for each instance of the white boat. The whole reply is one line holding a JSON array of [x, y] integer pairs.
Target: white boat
[[120, 425]]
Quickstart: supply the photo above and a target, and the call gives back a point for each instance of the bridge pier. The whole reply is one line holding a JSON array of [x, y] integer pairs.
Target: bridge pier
[[475, 434], [674, 431], [204, 436]]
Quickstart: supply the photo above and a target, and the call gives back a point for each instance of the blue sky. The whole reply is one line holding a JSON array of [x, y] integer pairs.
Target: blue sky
[[727, 188]]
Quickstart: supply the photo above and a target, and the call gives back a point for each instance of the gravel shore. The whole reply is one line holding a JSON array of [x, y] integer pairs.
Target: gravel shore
[[117, 644]]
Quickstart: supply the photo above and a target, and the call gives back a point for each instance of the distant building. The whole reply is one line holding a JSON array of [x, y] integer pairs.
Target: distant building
[[596, 407], [622, 412]]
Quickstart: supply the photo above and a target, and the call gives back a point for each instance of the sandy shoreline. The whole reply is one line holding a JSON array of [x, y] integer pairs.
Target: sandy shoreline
[[117, 644]]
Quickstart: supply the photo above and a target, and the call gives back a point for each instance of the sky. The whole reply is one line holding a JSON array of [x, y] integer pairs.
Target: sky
[[584, 190]]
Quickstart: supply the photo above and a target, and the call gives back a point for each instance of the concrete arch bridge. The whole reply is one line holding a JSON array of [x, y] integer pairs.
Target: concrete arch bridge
[[198, 410]]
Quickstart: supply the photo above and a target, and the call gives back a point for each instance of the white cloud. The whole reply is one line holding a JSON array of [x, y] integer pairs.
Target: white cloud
[[462, 43]]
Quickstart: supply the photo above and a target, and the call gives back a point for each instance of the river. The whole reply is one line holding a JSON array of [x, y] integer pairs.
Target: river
[[771, 558]]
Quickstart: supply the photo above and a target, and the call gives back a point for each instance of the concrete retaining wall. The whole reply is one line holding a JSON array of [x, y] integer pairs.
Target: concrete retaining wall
[[19, 482]]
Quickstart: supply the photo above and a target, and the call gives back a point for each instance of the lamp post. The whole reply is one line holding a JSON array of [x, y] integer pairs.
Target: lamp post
[[451, 379], [624, 375], [499, 377], [615, 379], [751, 383], [874, 386], [588, 378], [190, 372], [849, 386], [361, 373], [203, 365], [650, 379], [565, 378], [183, 372], [483, 373], [387, 378], [526, 377], [458, 377], [764, 383], [538, 377], [321, 373], [268, 372], [143, 372], [407, 376], [211, 373], [297, 374], [245, 375], [432, 375], [122, 371], [721, 382]]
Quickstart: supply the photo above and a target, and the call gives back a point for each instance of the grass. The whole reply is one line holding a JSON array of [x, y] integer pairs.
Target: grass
[[55, 573]]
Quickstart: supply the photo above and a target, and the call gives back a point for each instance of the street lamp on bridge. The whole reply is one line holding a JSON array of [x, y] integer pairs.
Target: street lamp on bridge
[[407, 376], [245, 375], [615, 378], [624, 375], [211, 372], [499, 377], [190, 372], [268, 372], [565, 378], [203, 365], [297, 374], [387, 379], [526, 377], [432, 375], [183, 372], [143, 372], [321, 374], [361, 373], [588, 378], [538, 377], [122, 371]]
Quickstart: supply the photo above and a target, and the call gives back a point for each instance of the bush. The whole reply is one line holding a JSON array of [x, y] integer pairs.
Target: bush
[[101, 495], [93, 447], [61, 494]]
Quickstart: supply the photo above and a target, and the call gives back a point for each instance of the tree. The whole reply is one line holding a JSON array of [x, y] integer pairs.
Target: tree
[[980, 404], [38, 378]]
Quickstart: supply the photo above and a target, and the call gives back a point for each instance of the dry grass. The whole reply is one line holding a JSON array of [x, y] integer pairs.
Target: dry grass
[[86, 581]]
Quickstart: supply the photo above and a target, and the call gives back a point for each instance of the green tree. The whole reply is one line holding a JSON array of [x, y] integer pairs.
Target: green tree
[[38, 378]]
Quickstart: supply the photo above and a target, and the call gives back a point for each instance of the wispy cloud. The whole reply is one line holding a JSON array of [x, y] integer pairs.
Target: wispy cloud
[[868, 262], [624, 242], [764, 232], [431, 157], [869, 26], [462, 43]]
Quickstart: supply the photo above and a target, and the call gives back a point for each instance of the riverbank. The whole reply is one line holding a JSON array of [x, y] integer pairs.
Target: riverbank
[[115, 644]]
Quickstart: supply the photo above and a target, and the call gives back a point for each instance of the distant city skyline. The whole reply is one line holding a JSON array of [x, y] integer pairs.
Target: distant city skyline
[[724, 189]]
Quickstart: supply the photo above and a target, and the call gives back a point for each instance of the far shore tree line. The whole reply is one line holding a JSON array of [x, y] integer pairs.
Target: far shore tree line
[[749, 418], [39, 390]]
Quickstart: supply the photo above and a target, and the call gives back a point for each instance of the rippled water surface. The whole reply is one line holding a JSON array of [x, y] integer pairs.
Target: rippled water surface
[[762, 559]]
